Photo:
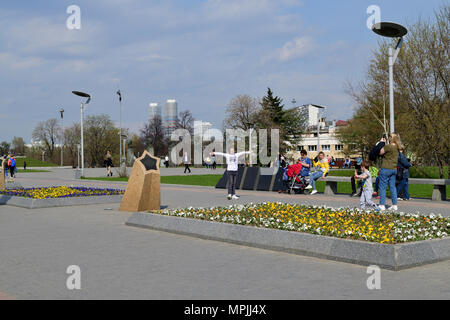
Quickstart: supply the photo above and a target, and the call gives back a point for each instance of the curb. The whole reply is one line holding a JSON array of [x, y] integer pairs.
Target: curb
[[392, 257], [57, 202]]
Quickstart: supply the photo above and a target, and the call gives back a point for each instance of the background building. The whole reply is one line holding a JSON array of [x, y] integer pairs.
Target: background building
[[170, 115], [328, 143], [155, 110]]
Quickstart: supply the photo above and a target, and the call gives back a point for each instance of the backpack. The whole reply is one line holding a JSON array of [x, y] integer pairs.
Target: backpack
[[399, 176], [373, 171], [375, 152], [13, 162]]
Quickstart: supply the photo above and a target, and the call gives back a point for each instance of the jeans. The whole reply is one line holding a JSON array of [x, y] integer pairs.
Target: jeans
[[315, 176], [186, 167], [387, 177], [232, 177], [403, 186], [377, 184]]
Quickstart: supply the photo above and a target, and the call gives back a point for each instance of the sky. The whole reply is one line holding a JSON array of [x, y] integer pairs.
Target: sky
[[201, 53]]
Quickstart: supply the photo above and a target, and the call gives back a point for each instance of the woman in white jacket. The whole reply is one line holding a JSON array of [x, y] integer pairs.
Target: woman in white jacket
[[232, 170]]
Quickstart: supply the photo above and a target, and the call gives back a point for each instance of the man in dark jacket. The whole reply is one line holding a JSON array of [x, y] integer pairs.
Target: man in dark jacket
[[403, 166]]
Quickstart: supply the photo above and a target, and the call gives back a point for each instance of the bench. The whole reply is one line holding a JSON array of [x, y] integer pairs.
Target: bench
[[439, 190]]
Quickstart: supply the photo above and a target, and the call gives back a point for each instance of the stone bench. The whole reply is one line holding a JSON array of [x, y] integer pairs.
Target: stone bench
[[439, 190]]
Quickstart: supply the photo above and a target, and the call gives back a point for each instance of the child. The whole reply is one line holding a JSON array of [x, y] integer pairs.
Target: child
[[232, 170], [367, 189]]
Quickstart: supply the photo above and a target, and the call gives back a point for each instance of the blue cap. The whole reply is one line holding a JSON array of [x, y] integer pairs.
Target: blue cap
[[358, 161]]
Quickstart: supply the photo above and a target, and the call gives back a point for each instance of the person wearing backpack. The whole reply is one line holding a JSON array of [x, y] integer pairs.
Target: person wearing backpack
[[403, 166], [388, 170], [12, 166]]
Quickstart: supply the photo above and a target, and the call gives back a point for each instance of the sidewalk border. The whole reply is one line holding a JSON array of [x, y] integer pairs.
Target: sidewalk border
[[30, 203], [394, 257]]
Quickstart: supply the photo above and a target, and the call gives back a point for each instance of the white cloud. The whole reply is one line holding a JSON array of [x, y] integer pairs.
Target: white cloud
[[296, 48]]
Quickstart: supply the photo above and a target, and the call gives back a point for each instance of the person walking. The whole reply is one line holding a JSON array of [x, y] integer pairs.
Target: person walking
[[12, 166], [232, 170], [403, 166], [214, 163], [322, 163], [24, 165], [388, 170], [108, 164], [367, 188], [166, 162], [186, 162]]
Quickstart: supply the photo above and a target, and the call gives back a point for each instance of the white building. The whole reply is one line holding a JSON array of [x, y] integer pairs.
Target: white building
[[155, 110], [170, 115], [324, 139]]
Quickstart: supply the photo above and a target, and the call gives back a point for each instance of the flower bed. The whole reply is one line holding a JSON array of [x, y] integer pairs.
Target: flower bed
[[60, 192], [345, 223]]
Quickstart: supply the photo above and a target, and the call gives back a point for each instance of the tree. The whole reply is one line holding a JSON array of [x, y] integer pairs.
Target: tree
[[152, 135], [241, 113], [423, 80], [4, 148], [186, 121], [100, 137], [273, 107], [72, 137], [18, 146], [137, 145], [47, 133], [421, 93]]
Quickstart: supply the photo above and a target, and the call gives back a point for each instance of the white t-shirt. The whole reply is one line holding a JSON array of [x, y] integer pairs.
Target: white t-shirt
[[232, 159]]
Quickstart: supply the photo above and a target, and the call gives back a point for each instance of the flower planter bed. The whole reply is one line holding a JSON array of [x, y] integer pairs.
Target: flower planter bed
[[389, 240], [33, 198]]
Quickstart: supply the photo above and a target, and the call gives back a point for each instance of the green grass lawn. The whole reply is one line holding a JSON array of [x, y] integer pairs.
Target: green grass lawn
[[194, 180], [415, 190], [33, 163]]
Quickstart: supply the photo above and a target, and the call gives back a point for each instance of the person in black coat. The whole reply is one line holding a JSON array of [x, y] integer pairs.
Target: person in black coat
[[403, 166]]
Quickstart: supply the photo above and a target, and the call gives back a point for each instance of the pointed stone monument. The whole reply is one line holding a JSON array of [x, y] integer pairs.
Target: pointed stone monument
[[143, 191], [2, 176]]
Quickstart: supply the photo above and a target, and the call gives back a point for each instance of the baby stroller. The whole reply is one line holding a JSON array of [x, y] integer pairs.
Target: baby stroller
[[295, 183]]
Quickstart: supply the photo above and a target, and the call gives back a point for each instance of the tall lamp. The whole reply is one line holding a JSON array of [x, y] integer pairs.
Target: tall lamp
[[83, 105], [61, 111], [391, 30]]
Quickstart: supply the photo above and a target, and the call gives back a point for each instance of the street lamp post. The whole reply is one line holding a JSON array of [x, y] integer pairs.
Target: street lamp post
[[62, 135], [391, 30], [83, 105], [120, 126]]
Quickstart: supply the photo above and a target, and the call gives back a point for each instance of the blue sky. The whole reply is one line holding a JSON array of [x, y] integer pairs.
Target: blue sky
[[201, 53]]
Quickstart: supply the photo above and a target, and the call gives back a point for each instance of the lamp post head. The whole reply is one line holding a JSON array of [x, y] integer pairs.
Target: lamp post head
[[62, 112], [83, 95], [389, 29]]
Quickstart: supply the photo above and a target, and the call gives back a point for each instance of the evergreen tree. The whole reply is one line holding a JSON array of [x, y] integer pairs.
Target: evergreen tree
[[273, 107]]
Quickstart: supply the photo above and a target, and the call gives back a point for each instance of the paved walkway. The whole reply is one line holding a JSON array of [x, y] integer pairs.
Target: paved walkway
[[121, 262], [182, 196]]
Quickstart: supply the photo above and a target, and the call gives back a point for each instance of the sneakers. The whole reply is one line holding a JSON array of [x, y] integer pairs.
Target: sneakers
[[381, 207], [313, 192], [393, 208], [229, 197], [235, 197], [308, 187]]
